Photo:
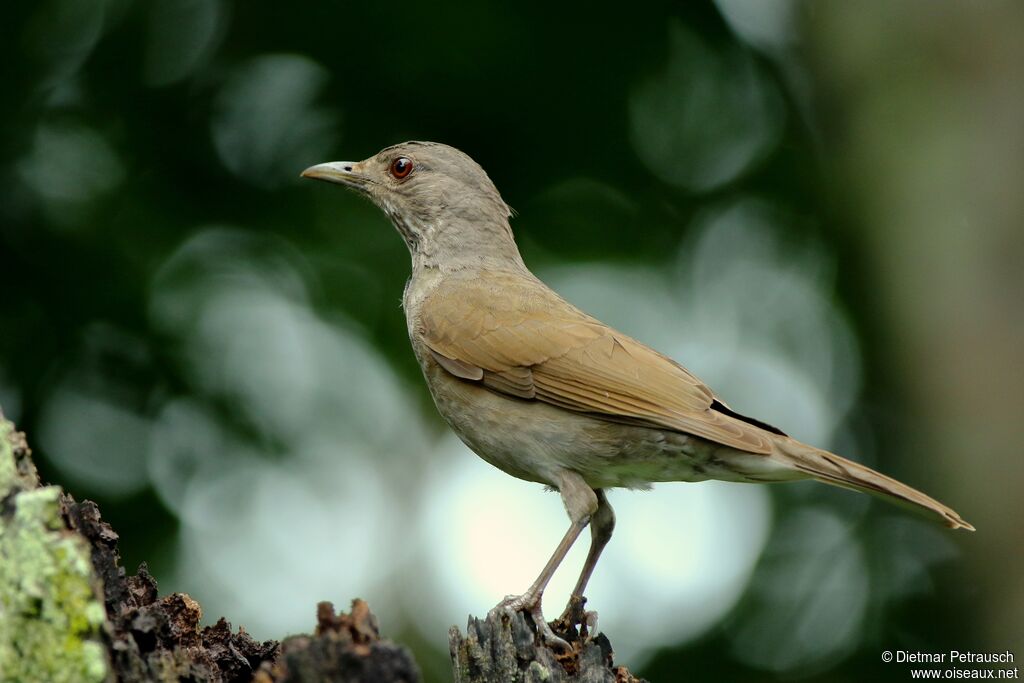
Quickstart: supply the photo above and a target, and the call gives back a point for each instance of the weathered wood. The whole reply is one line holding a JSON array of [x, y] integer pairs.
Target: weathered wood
[[504, 648], [346, 648]]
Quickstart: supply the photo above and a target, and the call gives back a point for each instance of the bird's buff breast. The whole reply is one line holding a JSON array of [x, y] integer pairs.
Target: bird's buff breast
[[532, 440]]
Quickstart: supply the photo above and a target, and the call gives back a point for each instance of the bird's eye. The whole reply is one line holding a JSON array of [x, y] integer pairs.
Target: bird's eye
[[401, 167]]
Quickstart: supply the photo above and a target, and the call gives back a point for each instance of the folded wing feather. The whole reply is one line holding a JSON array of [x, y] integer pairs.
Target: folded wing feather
[[526, 342]]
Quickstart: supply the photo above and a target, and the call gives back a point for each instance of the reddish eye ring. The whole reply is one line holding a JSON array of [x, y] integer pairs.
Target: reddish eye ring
[[401, 167]]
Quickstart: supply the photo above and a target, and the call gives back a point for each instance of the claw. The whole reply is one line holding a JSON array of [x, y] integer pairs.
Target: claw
[[531, 604], [544, 628]]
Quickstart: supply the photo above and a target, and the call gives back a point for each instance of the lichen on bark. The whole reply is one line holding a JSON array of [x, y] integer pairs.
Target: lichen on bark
[[51, 620]]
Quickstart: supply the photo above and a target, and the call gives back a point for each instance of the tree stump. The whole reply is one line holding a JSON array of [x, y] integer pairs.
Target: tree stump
[[504, 647], [346, 648], [70, 613]]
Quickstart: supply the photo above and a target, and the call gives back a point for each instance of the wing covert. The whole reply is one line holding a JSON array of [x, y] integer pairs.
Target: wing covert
[[526, 342]]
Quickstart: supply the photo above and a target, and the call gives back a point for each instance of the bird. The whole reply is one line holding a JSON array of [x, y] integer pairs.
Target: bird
[[549, 394]]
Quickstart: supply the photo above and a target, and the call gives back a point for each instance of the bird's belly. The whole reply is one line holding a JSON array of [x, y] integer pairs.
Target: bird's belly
[[533, 440]]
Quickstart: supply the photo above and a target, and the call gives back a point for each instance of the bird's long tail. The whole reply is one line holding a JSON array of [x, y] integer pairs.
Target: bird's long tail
[[832, 469]]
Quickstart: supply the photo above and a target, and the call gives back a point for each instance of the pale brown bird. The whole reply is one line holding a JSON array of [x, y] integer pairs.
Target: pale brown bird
[[543, 391]]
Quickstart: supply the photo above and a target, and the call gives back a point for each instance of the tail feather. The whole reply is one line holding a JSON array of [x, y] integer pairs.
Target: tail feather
[[833, 469]]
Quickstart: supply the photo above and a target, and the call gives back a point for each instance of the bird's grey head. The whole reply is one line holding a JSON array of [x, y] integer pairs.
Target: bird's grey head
[[439, 199]]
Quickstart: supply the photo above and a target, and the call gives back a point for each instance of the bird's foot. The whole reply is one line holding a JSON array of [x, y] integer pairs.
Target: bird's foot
[[531, 604], [573, 616]]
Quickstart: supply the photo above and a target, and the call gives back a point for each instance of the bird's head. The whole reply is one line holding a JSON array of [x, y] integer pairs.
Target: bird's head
[[440, 200]]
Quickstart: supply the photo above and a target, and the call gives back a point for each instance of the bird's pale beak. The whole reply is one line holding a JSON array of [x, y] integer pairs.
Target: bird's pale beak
[[341, 172]]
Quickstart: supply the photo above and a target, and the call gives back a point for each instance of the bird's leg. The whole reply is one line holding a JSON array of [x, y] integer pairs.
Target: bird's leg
[[602, 524], [581, 502]]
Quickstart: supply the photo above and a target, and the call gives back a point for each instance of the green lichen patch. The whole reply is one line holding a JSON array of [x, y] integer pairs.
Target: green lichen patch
[[50, 618]]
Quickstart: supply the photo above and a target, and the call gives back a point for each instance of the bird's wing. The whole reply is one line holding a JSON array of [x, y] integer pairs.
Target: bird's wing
[[519, 338]]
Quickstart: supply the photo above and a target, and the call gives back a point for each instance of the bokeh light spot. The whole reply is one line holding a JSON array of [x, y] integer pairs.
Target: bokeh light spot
[[707, 116], [267, 125]]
